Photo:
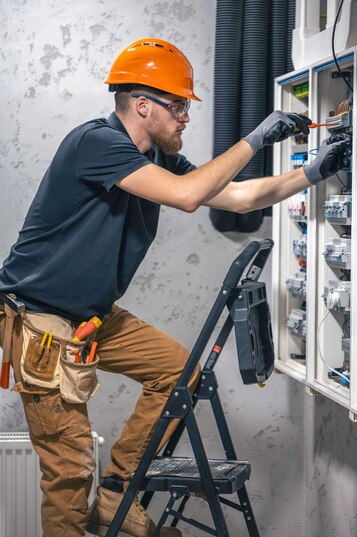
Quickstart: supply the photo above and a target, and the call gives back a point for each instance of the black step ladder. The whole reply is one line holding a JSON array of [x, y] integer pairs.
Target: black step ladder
[[185, 477]]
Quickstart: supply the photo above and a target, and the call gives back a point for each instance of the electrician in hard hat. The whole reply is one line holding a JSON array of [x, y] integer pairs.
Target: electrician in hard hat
[[89, 227]]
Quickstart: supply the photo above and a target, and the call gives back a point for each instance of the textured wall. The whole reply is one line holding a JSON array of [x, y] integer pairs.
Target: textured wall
[[55, 56]]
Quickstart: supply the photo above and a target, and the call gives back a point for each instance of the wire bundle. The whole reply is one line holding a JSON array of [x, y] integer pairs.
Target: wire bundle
[[342, 108]]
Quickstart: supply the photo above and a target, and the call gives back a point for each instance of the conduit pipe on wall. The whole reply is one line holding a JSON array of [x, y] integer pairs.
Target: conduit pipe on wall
[[277, 61], [254, 84], [251, 40], [226, 89]]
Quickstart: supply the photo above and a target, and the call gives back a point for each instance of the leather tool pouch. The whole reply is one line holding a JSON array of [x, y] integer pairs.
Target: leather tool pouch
[[54, 366]]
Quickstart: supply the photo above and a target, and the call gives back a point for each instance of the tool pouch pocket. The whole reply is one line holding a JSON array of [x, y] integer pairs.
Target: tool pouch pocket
[[40, 362], [78, 382]]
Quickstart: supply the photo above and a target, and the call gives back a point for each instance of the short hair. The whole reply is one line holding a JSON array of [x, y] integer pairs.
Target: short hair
[[122, 94]]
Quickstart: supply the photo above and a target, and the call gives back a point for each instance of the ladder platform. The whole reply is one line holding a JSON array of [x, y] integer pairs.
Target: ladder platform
[[166, 472]]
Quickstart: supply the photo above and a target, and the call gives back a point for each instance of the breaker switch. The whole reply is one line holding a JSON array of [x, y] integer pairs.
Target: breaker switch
[[338, 253]]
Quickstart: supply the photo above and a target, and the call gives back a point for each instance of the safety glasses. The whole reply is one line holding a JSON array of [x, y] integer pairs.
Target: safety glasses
[[177, 108]]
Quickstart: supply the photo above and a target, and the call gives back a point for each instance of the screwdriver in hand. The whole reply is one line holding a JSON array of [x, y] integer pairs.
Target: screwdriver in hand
[[314, 125]]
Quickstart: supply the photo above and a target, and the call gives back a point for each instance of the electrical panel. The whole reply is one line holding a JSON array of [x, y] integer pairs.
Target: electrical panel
[[314, 262]]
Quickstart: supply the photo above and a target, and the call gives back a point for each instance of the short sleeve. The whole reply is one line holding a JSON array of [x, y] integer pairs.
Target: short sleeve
[[105, 156], [177, 164]]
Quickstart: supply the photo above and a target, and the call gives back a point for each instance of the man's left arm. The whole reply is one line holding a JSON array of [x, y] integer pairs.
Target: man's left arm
[[245, 196], [252, 194]]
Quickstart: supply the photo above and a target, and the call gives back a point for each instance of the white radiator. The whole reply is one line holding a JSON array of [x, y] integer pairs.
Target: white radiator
[[20, 493]]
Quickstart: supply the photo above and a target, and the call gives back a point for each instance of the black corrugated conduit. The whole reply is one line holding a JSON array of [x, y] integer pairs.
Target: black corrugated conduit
[[289, 35], [254, 82], [226, 89], [277, 61], [243, 81]]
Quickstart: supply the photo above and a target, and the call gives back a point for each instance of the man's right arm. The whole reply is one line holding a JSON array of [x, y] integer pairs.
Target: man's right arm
[[207, 185], [196, 188]]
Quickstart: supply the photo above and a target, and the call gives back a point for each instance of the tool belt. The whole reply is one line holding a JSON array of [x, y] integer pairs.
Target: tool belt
[[48, 358]]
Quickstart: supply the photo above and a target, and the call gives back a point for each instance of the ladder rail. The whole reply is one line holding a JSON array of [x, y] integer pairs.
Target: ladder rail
[[259, 252]]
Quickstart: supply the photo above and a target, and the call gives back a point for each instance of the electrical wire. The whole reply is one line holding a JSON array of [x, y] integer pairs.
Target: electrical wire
[[342, 108], [320, 353], [346, 275], [333, 47], [339, 178]]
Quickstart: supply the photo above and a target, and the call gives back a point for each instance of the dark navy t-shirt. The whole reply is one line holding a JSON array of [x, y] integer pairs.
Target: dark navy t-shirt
[[84, 237]]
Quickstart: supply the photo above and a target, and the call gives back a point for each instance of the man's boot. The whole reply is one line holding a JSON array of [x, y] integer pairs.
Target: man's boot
[[137, 522]]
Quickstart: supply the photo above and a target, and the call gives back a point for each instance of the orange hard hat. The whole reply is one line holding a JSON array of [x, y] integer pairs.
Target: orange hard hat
[[155, 63]]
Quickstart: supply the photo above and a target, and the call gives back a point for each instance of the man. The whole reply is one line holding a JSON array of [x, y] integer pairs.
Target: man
[[88, 228]]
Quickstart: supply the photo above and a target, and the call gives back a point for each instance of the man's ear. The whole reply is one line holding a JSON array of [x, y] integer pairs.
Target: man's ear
[[142, 106]]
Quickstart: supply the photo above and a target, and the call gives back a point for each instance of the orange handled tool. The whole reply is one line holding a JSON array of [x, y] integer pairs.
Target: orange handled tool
[[77, 357], [86, 328], [12, 307], [314, 125], [92, 352], [7, 347]]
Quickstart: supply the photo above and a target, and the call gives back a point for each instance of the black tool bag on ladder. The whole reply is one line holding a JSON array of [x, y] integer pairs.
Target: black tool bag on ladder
[[185, 477]]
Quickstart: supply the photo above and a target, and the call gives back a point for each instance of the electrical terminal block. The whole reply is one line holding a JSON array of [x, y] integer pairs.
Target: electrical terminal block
[[300, 247], [337, 295], [298, 160], [296, 285], [301, 91], [340, 122], [339, 125], [297, 207], [338, 253], [296, 322], [338, 209]]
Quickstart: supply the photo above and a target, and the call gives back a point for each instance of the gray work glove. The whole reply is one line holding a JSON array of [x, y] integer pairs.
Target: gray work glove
[[277, 127], [326, 162]]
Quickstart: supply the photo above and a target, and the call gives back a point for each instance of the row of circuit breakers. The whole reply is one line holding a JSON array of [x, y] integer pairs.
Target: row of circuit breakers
[[337, 252]]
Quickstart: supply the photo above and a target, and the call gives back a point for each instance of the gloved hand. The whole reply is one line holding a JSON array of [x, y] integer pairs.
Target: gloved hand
[[275, 128], [327, 161]]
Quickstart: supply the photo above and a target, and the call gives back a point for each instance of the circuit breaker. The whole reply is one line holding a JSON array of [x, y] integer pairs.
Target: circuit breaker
[[314, 262]]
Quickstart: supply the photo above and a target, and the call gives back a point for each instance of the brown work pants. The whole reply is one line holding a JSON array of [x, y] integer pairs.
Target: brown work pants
[[60, 432]]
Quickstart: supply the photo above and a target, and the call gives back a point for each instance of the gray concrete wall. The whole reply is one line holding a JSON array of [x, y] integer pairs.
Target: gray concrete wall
[[54, 57]]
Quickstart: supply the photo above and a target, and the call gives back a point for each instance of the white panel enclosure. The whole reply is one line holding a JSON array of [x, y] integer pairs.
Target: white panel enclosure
[[315, 263]]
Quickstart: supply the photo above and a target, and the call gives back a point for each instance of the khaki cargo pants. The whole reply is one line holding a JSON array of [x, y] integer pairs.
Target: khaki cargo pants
[[60, 432]]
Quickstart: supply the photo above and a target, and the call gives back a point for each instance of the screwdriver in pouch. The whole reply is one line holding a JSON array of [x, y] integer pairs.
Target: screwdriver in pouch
[[86, 328]]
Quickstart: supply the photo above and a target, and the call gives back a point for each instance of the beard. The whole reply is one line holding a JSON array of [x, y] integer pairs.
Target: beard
[[167, 142], [170, 144]]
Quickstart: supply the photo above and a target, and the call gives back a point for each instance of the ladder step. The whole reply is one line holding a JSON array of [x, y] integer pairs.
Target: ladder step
[[165, 472]]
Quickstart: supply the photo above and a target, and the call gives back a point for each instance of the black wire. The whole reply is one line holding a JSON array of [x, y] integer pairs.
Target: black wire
[[333, 47], [339, 178], [346, 275]]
